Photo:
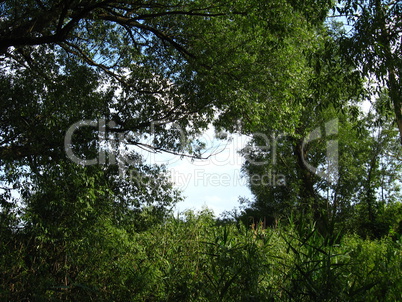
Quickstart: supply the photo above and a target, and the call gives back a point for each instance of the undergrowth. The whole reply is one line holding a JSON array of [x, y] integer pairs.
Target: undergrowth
[[191, 258]]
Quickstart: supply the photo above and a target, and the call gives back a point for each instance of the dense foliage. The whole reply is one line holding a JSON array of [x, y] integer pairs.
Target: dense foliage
[[192, 259], [87, 85]]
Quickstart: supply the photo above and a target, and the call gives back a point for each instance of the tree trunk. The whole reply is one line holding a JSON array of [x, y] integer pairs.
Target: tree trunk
[[396, 98], [308, 193]]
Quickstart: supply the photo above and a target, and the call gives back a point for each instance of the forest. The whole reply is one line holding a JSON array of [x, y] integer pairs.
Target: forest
[[89, 86]]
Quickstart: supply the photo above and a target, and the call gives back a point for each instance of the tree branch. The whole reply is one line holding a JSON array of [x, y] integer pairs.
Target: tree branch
[[125, 21]]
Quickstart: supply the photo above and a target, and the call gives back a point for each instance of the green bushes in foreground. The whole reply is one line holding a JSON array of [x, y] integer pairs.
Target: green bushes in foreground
[[192, 259]]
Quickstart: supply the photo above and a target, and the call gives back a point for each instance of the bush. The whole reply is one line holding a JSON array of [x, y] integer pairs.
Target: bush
[[192, 258]]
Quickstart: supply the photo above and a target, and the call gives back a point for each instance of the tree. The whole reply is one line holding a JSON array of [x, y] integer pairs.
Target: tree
[[284, 183], [374, 46], [86, 83], [113, 44], [379, 190], [289, 168], [146, 75], [280, 147], [165, 74]]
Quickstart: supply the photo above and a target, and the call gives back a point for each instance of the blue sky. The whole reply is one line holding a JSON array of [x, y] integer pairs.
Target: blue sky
[[215, 182]]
